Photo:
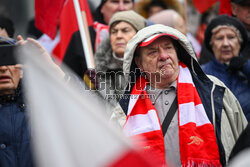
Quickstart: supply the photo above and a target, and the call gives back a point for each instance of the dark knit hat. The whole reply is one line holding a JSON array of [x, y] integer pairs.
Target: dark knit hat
[[7, 24], [225, 20], [131, 17], [98, 16], [241, 2]]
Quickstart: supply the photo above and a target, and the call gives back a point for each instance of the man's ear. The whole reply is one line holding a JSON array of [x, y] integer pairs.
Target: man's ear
[[138, 62]]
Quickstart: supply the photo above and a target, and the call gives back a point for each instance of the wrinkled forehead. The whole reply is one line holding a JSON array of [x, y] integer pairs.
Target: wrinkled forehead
[[225, 31]]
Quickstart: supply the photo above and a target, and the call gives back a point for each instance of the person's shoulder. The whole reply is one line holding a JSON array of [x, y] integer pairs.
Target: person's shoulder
[[216, 81]]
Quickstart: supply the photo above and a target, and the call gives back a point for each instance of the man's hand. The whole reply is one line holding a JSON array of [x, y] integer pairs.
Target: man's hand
[[39, 49]]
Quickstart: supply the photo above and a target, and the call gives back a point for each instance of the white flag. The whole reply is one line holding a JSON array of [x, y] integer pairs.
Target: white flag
[[68, 126]]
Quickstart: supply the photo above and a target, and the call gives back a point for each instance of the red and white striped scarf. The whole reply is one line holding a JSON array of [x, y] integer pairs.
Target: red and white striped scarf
[[197, 138]]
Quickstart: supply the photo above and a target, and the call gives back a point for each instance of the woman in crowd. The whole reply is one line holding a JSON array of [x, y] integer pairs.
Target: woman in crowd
[[226, 37], [109, 56]]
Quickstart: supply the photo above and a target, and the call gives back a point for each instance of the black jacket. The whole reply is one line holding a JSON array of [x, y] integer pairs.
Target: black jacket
[[74, 57]]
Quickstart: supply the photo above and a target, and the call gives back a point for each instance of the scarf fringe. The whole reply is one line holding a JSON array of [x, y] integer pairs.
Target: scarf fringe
[[201, 163]]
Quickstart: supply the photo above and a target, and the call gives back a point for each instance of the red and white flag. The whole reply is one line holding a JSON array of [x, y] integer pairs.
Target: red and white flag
[[62, 14], [69, 25], [47, 14], [68, 125]]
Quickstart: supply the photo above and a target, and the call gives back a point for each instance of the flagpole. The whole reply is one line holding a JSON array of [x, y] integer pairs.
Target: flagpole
[[87, 51]]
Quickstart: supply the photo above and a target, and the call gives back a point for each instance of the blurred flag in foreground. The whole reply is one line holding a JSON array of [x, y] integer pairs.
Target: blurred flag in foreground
[[68, 126]]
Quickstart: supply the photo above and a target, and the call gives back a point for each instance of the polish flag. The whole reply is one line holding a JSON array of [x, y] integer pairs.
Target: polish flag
[[62, 14], [69, 124]]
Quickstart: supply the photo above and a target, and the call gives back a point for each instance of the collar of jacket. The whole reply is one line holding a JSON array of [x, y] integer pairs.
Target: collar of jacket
[[104, 56]]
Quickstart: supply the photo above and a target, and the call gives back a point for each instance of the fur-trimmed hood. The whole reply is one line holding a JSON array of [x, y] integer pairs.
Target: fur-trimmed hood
[[104, 59], [187, 55]]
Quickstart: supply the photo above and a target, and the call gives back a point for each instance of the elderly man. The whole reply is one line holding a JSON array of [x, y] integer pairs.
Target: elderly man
[[226, 37], [209, 117], [14, 130]]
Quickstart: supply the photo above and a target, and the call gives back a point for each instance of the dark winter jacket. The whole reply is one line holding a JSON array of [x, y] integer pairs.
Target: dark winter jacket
[[74, 57], [109, 73], [15, 148], [237, 82]]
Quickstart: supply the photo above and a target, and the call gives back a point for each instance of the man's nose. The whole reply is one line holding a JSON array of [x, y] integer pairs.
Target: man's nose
[[162, 55]]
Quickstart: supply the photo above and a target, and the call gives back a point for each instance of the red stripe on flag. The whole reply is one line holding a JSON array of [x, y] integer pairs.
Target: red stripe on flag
[[225, 7], [47, 14], [203, 5]]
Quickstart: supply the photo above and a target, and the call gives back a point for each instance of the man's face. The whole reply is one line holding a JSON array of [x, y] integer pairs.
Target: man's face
[[159, 60], [120, 34], [242, 12], [9, 78], [110, 7], [225, 44]]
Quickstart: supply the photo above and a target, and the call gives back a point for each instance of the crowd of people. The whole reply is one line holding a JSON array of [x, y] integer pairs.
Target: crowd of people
[[188, 100]]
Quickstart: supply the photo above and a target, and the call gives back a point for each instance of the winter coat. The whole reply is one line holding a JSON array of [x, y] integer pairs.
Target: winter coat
[[221, 106], [74, 56], [170, 4], [109, 73], [237, 83], [15, 148]]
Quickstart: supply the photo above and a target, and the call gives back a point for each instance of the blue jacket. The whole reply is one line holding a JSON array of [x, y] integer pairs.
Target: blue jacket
[[15, 148], [238, 83]]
